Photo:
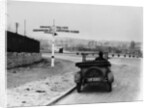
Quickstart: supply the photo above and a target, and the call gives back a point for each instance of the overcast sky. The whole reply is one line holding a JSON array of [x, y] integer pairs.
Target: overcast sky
[[93, 21]]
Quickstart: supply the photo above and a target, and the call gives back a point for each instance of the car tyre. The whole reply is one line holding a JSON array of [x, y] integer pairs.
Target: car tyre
[[78, 87], [109, 87]]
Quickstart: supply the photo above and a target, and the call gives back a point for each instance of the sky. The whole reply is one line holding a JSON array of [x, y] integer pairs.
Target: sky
[[97, 22]]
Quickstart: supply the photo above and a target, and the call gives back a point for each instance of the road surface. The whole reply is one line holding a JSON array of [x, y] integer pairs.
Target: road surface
[[126, 87]]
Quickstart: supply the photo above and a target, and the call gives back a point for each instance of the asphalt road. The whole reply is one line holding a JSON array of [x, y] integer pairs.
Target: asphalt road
[[126, 87]]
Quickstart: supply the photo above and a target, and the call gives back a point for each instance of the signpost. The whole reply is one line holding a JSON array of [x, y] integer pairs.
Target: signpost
[[53, 30], [53, 45]]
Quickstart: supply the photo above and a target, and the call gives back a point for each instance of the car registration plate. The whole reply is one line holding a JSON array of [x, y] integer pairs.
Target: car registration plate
[[94, 79]]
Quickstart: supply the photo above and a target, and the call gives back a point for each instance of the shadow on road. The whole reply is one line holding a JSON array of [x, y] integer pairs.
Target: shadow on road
[[101, 88]]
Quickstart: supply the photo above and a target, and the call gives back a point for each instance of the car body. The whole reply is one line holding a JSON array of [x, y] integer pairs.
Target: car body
[[94, 72]]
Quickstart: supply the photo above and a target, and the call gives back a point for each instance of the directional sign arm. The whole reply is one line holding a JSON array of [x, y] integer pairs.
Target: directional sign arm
[[46, 27], [40, 30], [68, 31], [49, 29]]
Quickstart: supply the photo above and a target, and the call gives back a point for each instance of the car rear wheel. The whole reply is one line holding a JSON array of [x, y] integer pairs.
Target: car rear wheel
[[78, 87], [109, 87], [110, 77]]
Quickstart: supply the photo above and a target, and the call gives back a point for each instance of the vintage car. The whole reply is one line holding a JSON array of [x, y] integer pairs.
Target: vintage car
[[94, 72]]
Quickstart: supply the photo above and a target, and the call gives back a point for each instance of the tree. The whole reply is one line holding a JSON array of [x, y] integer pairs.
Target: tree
[[132, 45], [92, 44]]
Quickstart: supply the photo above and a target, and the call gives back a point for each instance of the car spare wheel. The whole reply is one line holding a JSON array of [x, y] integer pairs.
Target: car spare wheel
[[95, 72]]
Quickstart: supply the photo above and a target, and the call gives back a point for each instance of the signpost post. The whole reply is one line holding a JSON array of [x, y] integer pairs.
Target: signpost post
[[53, 45], [53, 30]]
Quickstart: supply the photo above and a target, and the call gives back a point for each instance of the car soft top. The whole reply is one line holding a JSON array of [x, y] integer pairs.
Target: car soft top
[[87, 64]]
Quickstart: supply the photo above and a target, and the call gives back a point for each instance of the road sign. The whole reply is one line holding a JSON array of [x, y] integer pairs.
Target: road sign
[[49, 32], [46, 27], [49, 29], [74, 31], [68, 31], [53, 30], [40, 30], [62, 30], [62, 27]]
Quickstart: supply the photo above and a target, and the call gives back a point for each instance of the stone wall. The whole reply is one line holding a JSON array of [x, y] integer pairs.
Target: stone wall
[[19, 59]]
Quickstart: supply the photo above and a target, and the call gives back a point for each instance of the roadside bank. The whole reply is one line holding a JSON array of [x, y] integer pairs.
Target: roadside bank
[[38, 84]]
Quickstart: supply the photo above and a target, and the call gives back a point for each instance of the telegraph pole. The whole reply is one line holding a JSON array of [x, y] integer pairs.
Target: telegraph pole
[[24, 27], [17, 28]]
